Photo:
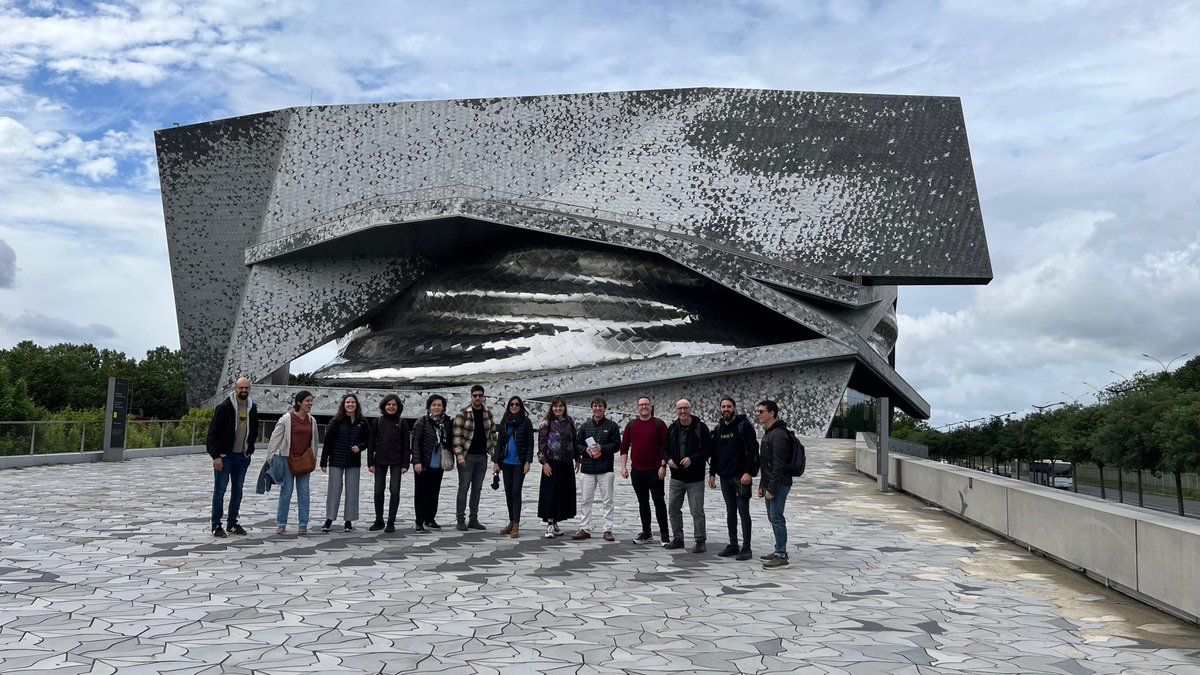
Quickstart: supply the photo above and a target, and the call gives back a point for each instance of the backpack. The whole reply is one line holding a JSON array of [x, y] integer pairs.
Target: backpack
[[795, 466]]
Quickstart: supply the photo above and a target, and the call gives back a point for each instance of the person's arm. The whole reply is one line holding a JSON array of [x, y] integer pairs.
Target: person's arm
[[278, 441], [457, 445], [418, 451], [330, 435], [251, 430], [212, 443], [751, 445], [612, 442], [624, 450]]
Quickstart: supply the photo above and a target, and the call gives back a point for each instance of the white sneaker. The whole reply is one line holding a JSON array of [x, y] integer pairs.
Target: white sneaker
[[549, 532]]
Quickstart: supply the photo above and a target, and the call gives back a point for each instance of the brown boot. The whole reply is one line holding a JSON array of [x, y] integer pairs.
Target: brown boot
[[515, 530], [506, 529]]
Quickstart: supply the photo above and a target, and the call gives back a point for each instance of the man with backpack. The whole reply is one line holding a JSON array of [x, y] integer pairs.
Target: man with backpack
[[778, 465], [735, 460], [643, 442]]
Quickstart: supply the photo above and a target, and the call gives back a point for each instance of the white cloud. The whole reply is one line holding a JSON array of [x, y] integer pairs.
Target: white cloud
[[8, 266]]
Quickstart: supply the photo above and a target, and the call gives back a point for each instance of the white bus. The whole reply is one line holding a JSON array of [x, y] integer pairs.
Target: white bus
[[1053, 473]]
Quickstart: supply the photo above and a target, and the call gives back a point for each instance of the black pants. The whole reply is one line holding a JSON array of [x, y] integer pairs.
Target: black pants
[[647, 485], [514, 479], [427, 486], [737, 503], [382, 471]]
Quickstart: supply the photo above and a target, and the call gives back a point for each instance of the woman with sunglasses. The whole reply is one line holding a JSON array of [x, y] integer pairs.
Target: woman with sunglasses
[[514, 455]]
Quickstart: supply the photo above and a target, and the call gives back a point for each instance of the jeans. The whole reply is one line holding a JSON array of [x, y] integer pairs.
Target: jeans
[[427, 485], [285, 494], [514, 479], [695, 496], [339, 476], [592, 484], [647, 485], [233, 469], [382, 471], [775, 517], [737, 503], [471, 475]]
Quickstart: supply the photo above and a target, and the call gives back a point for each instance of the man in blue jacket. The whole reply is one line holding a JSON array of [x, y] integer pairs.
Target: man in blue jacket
[[230, 443]]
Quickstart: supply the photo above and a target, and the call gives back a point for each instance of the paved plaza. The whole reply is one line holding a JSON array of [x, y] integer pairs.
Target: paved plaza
[[111, 569]]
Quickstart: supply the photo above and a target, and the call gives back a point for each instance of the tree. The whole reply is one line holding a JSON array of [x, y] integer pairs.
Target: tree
[[1177, 433], [156, 384], [15, 403]]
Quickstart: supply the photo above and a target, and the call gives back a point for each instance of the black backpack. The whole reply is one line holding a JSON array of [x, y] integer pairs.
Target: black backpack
[[796, 465]]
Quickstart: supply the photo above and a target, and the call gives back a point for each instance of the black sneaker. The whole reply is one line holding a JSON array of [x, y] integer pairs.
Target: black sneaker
[[390, 528], [218, 531], [327, 526], [432, 525], [767, 556], [644, 538], [698, 548], [376, 526], [235, 529], [775, 563], [461, 526], [744, 554], [475, 525], [673, 544], [421, 530], [348, 527], [729, 551]]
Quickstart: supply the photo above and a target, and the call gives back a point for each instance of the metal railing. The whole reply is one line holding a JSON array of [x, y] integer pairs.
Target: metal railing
[[74, 436], [899, 446]]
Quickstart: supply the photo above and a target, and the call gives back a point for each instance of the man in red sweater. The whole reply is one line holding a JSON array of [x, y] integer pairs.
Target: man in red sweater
[[643, 440]]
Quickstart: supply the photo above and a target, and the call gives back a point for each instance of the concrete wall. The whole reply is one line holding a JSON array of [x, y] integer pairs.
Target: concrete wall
[[19, 461], [1148, 555]]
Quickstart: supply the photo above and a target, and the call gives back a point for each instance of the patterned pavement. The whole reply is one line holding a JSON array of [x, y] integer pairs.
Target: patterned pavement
[[111, 569]]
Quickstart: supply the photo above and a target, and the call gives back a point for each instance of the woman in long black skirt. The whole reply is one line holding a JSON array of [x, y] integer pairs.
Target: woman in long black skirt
[[556, 452]]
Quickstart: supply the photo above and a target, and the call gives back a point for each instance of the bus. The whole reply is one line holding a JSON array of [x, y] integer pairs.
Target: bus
[[1053, 473]]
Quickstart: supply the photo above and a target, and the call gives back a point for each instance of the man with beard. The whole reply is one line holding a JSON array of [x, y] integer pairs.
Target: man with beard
[[474, 437], [735, 460], [230, 443]]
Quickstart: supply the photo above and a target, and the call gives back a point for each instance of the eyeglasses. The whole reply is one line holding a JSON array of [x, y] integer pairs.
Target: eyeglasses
[[683, 407], [761, 411], [514, 405]]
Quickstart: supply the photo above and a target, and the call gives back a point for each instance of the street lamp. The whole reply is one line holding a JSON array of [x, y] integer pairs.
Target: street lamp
[[1167, 366], [1118, 374], [1074, 399], [1041, 408]]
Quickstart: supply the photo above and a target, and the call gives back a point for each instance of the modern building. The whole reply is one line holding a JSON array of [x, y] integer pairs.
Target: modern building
[[678, 243]]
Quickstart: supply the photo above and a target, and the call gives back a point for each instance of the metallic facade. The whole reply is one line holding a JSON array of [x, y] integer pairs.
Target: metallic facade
[[573, 244]]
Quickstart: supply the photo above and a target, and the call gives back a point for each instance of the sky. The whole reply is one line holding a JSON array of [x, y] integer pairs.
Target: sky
[[1082, 117]]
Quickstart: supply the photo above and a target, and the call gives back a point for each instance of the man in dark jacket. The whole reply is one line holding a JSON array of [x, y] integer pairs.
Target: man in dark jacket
[[230, 443], [688, 446], [775, 453], [735, 460], [596, 443]]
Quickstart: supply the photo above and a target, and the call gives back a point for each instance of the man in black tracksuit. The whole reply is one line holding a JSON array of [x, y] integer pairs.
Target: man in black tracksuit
[[735, 460]]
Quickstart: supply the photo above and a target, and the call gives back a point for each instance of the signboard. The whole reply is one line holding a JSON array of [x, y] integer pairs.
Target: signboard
[[115, 412]]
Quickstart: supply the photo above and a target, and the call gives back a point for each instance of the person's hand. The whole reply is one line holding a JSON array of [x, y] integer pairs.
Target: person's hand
[[371, 469], [403, 470], [768, 496], [687, 461], [624, 472], [671, 463], [578, 466], [324, 469], [495, 468], [746, 479], [760, 492], [712, 482], [354, 449], [418, 468], [526, 469], [547, 471], [662, 472], [462, 461], [218, 464]]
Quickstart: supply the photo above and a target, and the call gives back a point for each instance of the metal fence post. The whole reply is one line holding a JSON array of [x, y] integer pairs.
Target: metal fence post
[[162, 433], [193, 432], [32, 436], [82, 434]]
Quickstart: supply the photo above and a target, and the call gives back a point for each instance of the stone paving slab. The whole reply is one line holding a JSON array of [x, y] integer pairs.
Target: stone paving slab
[[109, 568]]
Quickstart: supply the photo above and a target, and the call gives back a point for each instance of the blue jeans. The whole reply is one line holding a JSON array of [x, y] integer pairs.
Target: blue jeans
[[233, 468], [775, 517], [285, 494]]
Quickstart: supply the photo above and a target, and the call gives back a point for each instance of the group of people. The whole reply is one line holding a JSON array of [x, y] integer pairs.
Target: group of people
[[471, 441]]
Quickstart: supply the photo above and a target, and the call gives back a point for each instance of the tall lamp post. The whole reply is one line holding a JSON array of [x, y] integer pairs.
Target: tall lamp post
[[1165, 366]]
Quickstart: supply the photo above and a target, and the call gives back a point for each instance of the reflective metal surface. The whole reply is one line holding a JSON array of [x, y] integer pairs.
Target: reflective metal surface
[[537, 311]]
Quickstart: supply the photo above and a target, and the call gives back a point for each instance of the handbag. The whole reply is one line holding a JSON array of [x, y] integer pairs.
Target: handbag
[[302, 465]]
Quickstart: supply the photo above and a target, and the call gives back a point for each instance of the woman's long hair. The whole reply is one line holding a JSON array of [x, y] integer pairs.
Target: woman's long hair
[[341, 413], [550, 410]]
